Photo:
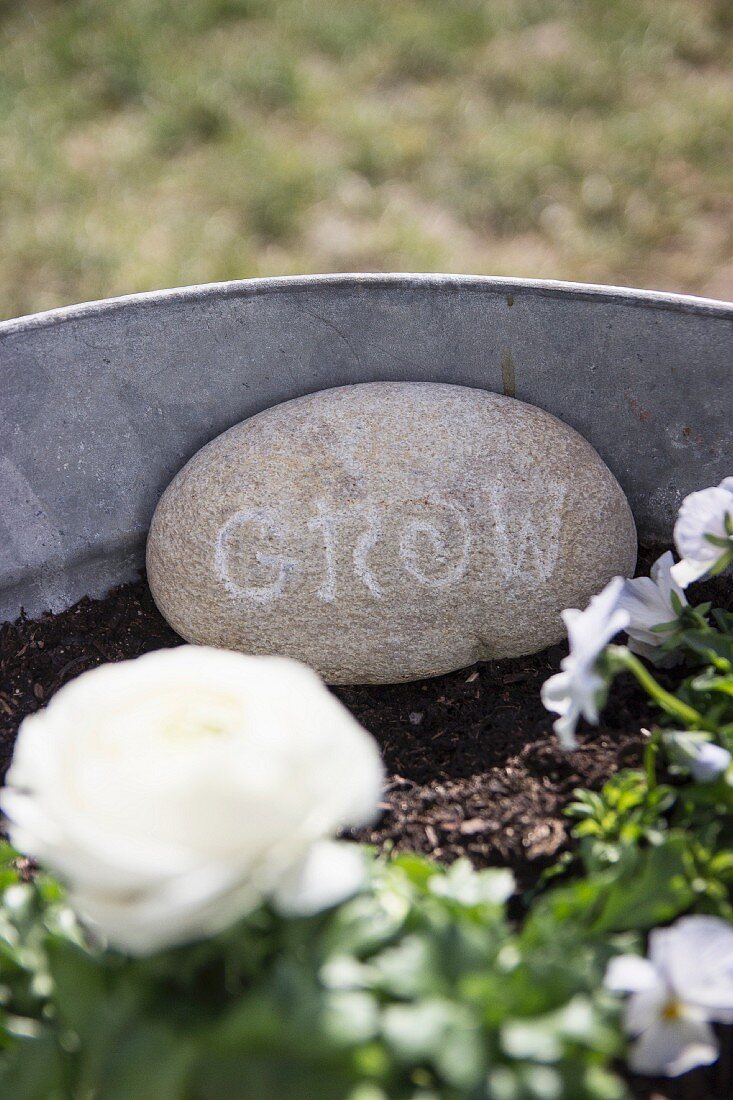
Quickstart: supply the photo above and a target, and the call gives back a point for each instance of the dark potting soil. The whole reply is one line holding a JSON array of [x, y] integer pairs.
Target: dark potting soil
[[474, 767]]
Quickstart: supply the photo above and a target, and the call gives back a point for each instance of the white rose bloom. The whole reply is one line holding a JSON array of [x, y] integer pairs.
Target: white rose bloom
[[686, 982], [648, 601], [703, 516], [175, 792], [579, 687]]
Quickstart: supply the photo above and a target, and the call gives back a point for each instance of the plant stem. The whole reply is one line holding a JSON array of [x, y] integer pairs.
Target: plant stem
[[692, 719], [650, 761]]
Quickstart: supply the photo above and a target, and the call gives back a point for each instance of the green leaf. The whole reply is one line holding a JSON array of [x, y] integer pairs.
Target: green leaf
[[723, 562], [439, 1032], [715, 648], [708, 681], [463, 884], [410, 969], [351, 1017], [721, 541], [652, 890], [149, 1061], [33, 1070], [723, 620], [648, 886], [271, 1075], [80, 986]]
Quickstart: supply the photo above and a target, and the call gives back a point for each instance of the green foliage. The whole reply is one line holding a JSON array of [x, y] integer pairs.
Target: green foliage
[[623, 813], [419, 987], [702, 701]]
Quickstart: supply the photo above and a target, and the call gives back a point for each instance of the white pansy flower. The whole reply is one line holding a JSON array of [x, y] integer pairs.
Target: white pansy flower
[[695, 751], [684, 984], [703, 533], [650, 603], [175, 792], [578, 689]]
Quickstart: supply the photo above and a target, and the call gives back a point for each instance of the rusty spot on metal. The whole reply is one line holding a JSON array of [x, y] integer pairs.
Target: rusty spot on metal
[[689, 436], [508, 375], [639, 411]]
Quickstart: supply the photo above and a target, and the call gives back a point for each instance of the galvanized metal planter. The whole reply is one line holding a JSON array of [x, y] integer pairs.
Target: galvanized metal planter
[[102, 403]]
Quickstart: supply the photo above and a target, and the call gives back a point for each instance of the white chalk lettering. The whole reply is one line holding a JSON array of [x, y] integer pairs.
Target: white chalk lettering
[[432, 558], [268, 526], [530, 542], [434, 551], [328, 522], [365, 543]]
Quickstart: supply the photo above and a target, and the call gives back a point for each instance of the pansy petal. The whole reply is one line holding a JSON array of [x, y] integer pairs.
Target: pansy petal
[[661, 574], [565, 729], [630, 974], [696, 955], [686, 572], [702, 514], [673, 1047], [648, 601], [590, 631], [710, 761], [579, 688], [693, 750], [645, 1007]]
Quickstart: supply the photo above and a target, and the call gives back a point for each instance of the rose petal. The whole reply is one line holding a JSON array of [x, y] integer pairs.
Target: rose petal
[[330, 872]]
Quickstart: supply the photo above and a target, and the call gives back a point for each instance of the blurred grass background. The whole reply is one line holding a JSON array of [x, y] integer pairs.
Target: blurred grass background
[[153, 143]]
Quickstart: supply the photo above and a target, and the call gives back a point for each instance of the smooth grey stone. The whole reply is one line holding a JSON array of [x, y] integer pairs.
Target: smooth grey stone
[[102, 403], [388, 531]]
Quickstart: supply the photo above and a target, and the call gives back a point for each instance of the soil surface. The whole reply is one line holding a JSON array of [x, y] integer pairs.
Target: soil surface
[[474, 767]]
